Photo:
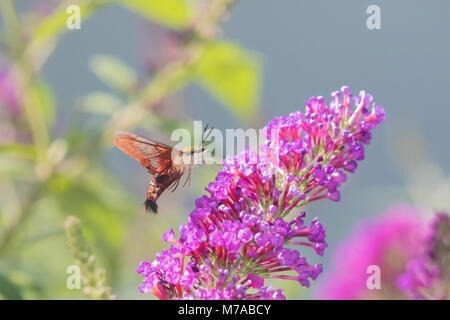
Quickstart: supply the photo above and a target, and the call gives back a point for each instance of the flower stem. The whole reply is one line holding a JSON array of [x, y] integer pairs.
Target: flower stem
[[93, 277]]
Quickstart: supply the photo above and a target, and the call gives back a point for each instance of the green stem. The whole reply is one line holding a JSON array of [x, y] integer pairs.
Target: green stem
[[12, 23], [19, 219], [31, 104]]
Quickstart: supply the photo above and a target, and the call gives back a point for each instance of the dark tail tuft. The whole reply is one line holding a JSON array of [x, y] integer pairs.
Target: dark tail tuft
[[150, 205]]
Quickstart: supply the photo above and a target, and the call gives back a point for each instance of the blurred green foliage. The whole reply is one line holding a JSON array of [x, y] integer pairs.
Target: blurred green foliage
[[93, 277], [170, 13], [48, 174], [233, 75], [114, 73]]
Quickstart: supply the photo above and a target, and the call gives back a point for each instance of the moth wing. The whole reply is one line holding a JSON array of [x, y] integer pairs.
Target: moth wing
[[153, 155]]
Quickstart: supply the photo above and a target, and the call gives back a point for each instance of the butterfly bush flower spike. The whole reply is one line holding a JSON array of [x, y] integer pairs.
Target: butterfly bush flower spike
[[428, 276], [412, 253], [388, 240], [240, 234]]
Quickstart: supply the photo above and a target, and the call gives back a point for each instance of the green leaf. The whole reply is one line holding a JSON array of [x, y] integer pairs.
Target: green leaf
[[99, 213], [16, 168], [9, 290], [101, 103], [55, 25], [35, 239], [100, 204], [19, 150], [233, 75], [113, 72], [170, 13], [43, 99]]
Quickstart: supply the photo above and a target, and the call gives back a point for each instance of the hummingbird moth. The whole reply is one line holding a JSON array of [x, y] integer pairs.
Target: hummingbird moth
[[166, 164]]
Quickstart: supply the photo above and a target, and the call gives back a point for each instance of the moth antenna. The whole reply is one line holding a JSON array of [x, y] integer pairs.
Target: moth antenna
[[203, 133], [208, 134]]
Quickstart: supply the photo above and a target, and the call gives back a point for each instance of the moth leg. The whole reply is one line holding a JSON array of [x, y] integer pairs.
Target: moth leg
[[175, 185], [188, 178]]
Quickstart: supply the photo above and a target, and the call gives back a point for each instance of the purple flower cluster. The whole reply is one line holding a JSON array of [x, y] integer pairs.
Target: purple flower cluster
[[412, 254], [388, 240], [323, 143], [428, 276], [239, 235]]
